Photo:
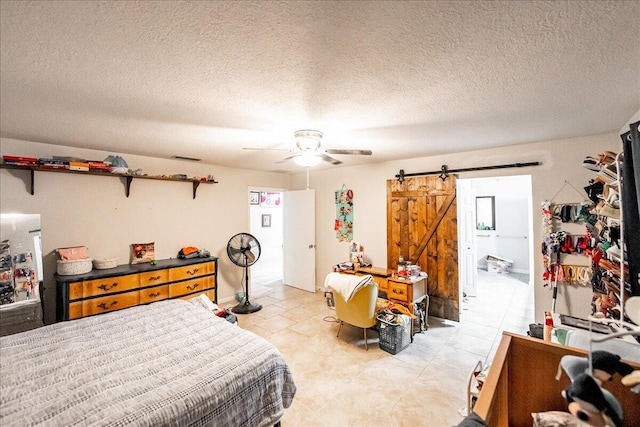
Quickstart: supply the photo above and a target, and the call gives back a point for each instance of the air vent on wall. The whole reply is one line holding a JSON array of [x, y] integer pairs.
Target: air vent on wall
[[191, 159]]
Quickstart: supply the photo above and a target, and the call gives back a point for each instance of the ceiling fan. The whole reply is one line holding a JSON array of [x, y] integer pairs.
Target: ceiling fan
[[308, 151]]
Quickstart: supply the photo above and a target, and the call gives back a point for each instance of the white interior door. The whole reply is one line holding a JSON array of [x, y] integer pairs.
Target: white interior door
[[467, 261], [299, 240]]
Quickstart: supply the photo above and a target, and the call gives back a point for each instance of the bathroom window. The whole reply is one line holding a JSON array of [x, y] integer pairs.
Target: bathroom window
[[485, 213]]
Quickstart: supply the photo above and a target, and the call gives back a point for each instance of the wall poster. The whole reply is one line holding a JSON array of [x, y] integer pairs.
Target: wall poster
[[344, 215]]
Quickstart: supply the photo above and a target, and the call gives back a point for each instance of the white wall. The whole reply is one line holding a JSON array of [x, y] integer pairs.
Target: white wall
[[510, 239], [94, 211], [561, 160]]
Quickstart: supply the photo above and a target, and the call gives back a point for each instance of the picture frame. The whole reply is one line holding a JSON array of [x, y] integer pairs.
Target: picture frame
[[254, 197], [142, 252], [266, 220], [269, 199]]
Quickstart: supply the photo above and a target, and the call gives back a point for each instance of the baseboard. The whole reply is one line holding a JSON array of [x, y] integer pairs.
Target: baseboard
[[228, 299]]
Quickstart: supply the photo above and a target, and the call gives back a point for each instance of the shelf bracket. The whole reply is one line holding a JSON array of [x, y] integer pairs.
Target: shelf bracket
[[127, 185], [32, 180], [195, 187]]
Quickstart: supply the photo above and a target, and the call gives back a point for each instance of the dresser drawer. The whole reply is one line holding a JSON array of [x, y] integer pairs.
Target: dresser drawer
[[383, 284], [157, 293], [103, 305], [105, 286], [381, 280], [190, 286], [153, 278], [191, 271], [399, 292]]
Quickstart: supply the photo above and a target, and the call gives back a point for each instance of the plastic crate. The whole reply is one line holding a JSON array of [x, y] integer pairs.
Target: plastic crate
[[394, 337]]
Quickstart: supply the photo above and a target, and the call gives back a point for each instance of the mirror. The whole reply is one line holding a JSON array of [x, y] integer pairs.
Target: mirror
[[20, 258], [485, 213]]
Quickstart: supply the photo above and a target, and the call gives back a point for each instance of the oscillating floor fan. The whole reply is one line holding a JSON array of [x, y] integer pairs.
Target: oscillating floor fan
[[244, 250]]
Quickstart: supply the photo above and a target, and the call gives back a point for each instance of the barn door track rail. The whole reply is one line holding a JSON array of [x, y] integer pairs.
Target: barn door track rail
[[445, 171]]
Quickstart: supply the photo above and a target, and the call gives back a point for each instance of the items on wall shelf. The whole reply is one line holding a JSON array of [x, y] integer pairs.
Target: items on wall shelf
[[127, 177]]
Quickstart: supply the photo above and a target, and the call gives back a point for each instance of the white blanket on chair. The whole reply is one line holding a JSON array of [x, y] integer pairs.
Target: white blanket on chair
[[346, 284]]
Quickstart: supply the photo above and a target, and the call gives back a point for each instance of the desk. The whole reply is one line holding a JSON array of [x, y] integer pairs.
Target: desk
[[380, 276], [403, 291], [400, 290]]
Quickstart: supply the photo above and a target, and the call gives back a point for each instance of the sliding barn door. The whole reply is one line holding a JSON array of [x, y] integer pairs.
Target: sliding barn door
[[422, 228]]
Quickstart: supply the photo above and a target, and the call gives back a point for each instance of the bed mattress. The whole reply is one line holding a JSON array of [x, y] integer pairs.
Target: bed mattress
[[167, 363]]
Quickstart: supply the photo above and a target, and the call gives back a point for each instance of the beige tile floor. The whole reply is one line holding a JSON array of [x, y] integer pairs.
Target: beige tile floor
[[341, 384]]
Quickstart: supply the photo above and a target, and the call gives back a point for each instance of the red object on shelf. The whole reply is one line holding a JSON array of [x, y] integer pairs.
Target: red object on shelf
[[20, 159]]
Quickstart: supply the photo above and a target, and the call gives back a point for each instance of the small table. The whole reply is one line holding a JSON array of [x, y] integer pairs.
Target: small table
[[406, 291], [409, 291]]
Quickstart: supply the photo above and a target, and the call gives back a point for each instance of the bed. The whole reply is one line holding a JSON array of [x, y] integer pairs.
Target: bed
[[168, 363]]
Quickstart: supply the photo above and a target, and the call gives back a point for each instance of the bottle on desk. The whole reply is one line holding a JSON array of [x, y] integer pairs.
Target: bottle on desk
[[401, 264], [548, 325]]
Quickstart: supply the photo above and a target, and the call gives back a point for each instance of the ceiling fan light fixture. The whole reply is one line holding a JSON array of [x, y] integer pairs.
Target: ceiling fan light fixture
[[307, 139], [307, 159]]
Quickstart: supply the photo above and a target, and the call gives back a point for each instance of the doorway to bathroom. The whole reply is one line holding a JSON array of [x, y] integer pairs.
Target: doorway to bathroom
[[495, 230]]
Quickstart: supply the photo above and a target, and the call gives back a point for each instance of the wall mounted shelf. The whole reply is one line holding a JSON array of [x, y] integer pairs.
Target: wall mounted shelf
[[127, 178]]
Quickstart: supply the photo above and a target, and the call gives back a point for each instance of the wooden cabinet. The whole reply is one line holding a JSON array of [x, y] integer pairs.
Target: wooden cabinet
[[403, 291], [406, 291], [102, 291], [521, 381], [380, 276]]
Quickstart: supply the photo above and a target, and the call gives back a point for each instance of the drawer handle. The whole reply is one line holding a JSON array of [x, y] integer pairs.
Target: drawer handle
[[107, 307], [191, 273], [191, 288], [107, 287], [154, 294], [399, 292], [153, 278]]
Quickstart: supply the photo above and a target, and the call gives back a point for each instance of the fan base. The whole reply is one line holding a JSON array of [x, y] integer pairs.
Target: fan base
[[246, 308]]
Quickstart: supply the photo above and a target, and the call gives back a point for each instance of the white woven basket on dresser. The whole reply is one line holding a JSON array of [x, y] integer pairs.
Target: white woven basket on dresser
[[75, 266], [105, 263]]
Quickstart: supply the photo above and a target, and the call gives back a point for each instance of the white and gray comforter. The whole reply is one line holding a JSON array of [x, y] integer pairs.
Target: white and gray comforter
[[167, 363]]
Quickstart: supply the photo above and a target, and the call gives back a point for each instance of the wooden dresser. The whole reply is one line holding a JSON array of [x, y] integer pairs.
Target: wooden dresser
[[403, 291], [101, 291]]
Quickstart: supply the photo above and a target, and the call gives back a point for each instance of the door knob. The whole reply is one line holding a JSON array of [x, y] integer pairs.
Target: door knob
[[312, 246]]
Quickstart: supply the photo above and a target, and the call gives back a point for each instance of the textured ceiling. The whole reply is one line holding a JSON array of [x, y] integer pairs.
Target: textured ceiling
[[404, 79]]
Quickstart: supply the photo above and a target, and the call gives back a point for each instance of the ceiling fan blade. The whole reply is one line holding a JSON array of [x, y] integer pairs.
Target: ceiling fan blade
[[287, 158], [265, 149], [330, 159], [341, 151]]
